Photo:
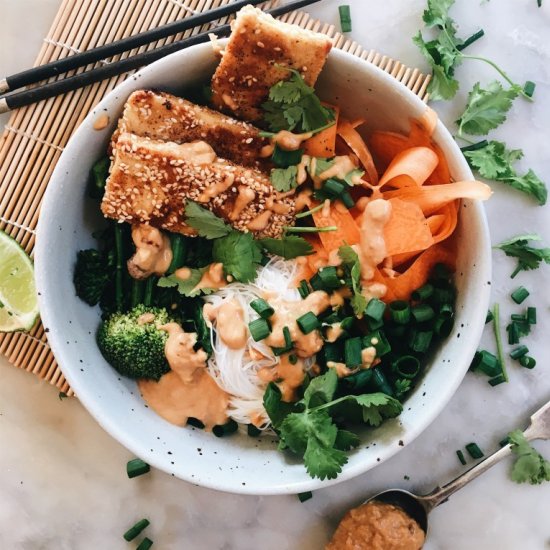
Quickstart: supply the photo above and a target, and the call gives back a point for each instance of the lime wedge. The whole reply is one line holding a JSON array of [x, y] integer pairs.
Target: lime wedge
[[18, 300]]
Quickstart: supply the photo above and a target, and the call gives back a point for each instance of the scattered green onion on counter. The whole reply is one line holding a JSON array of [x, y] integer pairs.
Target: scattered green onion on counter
[[136, 529], [474, 451], [520, 294], [136, 467], [345, 18]]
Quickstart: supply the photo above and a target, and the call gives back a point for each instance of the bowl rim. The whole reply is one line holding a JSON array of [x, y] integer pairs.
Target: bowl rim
[[116, 430]]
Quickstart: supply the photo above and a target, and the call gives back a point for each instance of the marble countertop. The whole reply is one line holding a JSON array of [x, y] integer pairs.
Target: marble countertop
[[63, 480]]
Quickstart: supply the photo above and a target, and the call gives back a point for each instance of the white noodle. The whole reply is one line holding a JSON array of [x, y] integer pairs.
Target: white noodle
[[235, 371]]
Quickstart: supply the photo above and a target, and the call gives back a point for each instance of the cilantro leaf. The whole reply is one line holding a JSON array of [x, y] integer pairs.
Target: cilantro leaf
[[293, 105], [321, 389], [322, 165], [323, 461], [377, 406], [528, 257], [486, 109], [351, 262], [284, 179], [298, 428], [530, 466], [350, 176], [436, 14], [401, 387], [495, 161], [205, 222], [186, 286], [346, 440], [288, 246], [240, 255]]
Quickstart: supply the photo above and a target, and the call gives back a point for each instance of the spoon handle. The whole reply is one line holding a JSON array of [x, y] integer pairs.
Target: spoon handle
[[539, 428]]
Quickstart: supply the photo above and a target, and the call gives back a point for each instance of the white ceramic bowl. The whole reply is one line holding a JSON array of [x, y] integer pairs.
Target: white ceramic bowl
[[238, 464]]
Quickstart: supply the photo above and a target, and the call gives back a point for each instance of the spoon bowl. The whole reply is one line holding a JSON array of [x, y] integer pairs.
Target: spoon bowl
[[413, 505]]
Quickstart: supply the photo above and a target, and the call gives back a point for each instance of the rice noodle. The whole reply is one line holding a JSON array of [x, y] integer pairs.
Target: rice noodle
[[235, 371]]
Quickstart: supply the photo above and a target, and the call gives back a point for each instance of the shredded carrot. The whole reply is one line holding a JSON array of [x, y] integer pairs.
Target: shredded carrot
[[410, 167], [385, 146], [355, 142], [339, 216], [324, 143]]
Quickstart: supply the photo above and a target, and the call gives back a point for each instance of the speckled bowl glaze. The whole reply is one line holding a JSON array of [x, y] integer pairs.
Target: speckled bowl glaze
[[239, 464]]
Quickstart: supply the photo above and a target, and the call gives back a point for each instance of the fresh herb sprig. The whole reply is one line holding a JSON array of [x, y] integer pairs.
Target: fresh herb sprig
[[444, 52], [530, 466], [350, 261], [528, 257], [494, 161]]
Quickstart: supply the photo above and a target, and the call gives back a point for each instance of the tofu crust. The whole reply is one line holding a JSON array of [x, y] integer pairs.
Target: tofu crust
[[248, 68], [165, 117], [151, 180]]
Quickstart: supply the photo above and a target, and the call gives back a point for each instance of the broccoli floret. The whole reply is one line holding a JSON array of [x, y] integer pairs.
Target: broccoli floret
[[91, 275], [133, 344], [98, 178]]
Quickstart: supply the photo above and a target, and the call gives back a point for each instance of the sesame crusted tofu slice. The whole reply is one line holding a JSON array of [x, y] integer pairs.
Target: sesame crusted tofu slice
[[165, 117], [150, 182], [248, 68]]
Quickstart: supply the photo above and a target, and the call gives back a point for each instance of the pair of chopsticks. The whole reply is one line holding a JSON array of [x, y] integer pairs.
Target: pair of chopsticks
[[14, 100]]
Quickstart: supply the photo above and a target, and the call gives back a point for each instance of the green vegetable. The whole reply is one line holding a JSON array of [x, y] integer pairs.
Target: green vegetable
[[422, 313], [92, 274], [326, 279], [293, 106], [240, 255], [308, 429], [520, 295], [304, 289], [519, 352], [222, 430], [498, 340], [186, 287], [400, 311], [262, 308], [375, 309], [288, 247], [136, 529], [352, 352], [460, 455], [136, 467], [422, 293], [420, 340], [327, 229], [527, 362], [486, 109], [532, 315], [303, 497], [133, 349], [499, 379], [308, 322], [283, 158], [98, 178], [350, 261], [259, 329], [474, 451], [406, 366], [528, 257], [494, 161], [401, 386], [530, 466], [145, 544], [284, 179], [345, 18], [487, 363], [205, 222]]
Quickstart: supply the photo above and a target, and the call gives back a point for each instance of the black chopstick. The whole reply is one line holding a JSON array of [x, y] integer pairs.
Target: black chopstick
[[55, 68], [27, 97]]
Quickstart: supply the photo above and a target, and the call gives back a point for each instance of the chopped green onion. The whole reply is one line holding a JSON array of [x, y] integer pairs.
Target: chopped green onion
[[358, 381], [259, 329], [380, 381], [406, 366], [310, 212], [520, 294], [326, 279], [440, 272], [136, 467], [308, 322], [375, 309], [375, 325], [485, 362], [446, 309], [292, 358], [378, 340], [283, 158], [460, 455], [529, 87], [333, 352], [345, 18], [422, 293], [489, 316], [347, 323], [252, 431], [504, 442], [532, 315], [519, 352], [400, 312], [264, 260], [475, 146], [288, 338], [443, 326], [352, 352], [291, 229], [527, 362], [347, 199], [499, 379], [334, 187], [195, 422], [443, 295], [145, 544], [422, 313], [474, 451], [262, 308], [136, 529], [518, 317], [304, 289], [470, 40], [513, 336], [221, 430], [420, 340], [305, 496]]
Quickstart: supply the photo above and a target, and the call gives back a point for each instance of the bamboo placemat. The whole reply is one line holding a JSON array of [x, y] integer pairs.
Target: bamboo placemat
[[35, 136]]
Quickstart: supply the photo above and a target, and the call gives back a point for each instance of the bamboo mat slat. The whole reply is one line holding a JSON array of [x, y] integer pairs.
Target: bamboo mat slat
[[34, 137]]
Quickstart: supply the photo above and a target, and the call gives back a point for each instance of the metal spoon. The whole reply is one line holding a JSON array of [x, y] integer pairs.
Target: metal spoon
[[419, 506]]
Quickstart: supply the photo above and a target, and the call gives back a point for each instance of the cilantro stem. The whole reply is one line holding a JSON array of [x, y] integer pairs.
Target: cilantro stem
[[310, 212], [289, 229], [266, 134], [474, 146], [498, 339]]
